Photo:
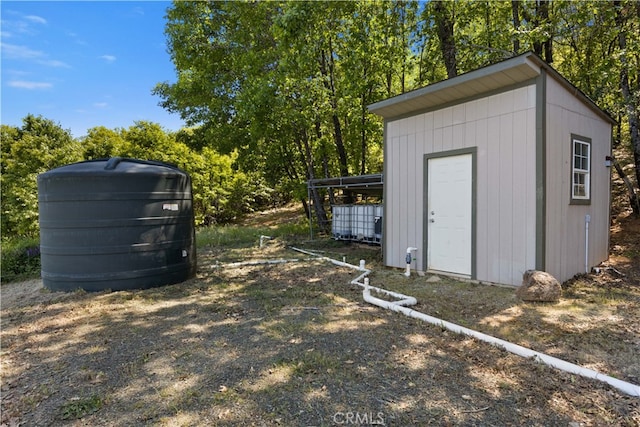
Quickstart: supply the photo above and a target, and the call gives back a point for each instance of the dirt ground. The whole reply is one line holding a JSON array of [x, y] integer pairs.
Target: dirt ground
[[294, 344]]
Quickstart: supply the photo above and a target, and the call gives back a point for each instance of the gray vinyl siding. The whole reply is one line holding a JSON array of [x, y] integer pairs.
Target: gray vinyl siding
[[502, 127], [520, 116], [565, 245]]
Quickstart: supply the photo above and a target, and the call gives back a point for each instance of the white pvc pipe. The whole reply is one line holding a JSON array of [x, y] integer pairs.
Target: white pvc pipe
[[331, 260], [628, 388], [409, 260], [587, 220], [403, 300], [263, 238], [399, 306], [258, 262]]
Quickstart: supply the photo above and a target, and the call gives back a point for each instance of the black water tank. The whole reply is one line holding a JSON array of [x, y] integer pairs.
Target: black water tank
[[116, 224]]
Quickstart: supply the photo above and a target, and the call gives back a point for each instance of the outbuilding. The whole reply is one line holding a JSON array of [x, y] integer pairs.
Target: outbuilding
[[497, 171]]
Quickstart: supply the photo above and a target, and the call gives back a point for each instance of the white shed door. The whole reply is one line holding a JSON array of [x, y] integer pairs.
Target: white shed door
[[449, 214]]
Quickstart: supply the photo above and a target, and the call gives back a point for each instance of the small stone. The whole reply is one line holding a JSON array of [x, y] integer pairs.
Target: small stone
[[433, 279]]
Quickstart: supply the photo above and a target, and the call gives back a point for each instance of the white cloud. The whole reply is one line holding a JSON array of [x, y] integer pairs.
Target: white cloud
[[36, 19], [24, 84], [100, 105], [54, 63], [108, 58], [19, 23], [13, 51], [17, 74]]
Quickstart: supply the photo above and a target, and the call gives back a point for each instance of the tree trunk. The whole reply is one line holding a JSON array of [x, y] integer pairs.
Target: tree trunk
[[327, 70], [515, 5], [444, 25], [630, 101], [634, 201], [337, 133], [291, 172], [487, 22], [304, 149], [305, 205], [543, 48], [327, 174], [548, 43], [363, 135], [404, 43]]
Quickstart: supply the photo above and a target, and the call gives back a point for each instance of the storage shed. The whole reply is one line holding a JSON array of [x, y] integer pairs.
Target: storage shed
[[495, 172]]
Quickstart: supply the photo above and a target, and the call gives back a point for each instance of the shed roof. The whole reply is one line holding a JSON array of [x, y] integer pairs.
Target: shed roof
[[509, 72]]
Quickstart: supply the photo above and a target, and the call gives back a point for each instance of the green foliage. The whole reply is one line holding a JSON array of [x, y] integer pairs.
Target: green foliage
[[221, 193], [276, 93], [283, 83], [78, 408], [102, 143], [242, 236], [229, 236], [286, 84], [20, 259], [38, 146]]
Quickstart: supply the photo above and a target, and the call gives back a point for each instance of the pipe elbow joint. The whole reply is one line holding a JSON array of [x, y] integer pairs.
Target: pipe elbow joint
[[409, 256]]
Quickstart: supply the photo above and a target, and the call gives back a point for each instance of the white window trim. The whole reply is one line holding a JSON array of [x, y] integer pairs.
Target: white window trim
[[580, 199]]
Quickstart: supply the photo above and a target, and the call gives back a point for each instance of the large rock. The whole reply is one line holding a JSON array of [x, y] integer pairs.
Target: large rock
[[539, 286]]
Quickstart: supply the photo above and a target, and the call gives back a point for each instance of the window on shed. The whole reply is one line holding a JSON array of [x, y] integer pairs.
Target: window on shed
[[581, 171]]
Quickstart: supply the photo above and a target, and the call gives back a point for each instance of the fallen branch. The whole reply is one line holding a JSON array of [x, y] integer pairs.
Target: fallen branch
[[471, 411]]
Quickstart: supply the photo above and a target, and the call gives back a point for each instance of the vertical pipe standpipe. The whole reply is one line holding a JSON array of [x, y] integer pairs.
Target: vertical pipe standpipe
[[587, 220], [264, 238], [409, 260]]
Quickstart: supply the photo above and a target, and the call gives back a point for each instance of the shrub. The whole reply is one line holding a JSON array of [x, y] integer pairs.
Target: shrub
[[20, 259]]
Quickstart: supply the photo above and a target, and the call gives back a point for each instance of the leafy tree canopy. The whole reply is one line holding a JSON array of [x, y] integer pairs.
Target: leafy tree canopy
[[286, 84], [36, 147]]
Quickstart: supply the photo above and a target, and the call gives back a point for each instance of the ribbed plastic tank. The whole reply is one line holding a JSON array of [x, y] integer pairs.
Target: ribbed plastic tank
[[362, 222], [377, 220], [115, 224], [341, 223]]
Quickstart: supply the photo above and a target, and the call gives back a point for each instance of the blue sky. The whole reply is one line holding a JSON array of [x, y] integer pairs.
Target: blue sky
[[84, 64]]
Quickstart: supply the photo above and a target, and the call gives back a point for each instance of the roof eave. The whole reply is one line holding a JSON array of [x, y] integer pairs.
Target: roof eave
[[385, 108], [513, 70]]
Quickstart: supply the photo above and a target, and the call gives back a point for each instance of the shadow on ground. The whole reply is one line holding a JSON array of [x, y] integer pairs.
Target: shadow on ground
[[289, 344]]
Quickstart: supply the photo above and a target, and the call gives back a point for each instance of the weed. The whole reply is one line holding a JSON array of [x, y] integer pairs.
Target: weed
[[502, 385], [229, 236], [78, 408], [315, 362], [226, 395], [236, 236], [40, 393], [283, 329]]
